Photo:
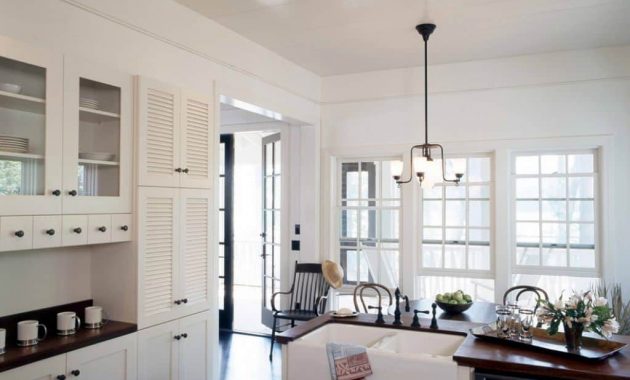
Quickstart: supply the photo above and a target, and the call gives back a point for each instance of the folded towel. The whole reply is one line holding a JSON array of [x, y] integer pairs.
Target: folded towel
[[348, 362]]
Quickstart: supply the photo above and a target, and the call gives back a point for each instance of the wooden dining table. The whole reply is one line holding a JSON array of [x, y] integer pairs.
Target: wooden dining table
[[479, 312]]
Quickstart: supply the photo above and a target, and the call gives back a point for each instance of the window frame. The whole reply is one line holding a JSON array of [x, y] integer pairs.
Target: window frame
[[490, 273], [548, 270], [347, 288]]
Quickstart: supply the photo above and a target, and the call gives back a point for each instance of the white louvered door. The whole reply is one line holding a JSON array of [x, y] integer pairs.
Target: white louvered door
[[158, 134], [158, 247], [197, 134], [195, 249]]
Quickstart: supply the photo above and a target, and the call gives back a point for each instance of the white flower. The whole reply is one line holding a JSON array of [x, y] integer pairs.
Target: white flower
[[559, 305], [573, 301], [567, 320], [588, 295], [600, 301], [610, 327]]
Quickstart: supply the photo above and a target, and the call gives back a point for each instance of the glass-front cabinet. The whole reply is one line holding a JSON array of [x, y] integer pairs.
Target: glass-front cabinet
[[30, 130], [97, 139]]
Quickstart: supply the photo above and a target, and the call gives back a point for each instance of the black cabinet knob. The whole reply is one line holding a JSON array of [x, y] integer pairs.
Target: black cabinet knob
[[72, 193], [61, 377], [178, 170], [50, 232], [57, 193], [184, 335], [124, 228], [185, 300], [19, 233], [178, 302], [185, 170], [77, 230], [75, 372], [177, 337], [102, 228]]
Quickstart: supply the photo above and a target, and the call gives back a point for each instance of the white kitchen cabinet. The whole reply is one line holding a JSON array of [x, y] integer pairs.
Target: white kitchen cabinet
[[99, 229], [174, 249], [46, 231], [16, 233], [177, 350], [121, 227], [115, 359], [175, 135], [74, 230], [30, 130], [98, 139], [48, 369]]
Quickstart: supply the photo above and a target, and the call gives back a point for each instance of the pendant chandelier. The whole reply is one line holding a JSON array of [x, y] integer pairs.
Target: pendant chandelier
[[428, 171]]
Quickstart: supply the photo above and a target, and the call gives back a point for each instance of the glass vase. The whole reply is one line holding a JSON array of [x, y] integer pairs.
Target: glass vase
[[573, 335]]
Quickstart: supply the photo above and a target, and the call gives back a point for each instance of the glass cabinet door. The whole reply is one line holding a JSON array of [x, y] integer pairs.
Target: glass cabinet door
[[30, 130], [97, 140]]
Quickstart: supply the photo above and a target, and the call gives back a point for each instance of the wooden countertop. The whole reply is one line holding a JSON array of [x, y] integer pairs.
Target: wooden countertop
[[498, 357], [490, 356], [55, 345]]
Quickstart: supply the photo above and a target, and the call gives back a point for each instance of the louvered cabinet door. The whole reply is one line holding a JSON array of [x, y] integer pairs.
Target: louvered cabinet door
[[158, 247], [195, 249], [197, 127], [158, 134]]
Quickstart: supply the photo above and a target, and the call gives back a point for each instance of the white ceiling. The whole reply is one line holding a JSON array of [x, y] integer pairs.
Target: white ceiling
[[332, 37]]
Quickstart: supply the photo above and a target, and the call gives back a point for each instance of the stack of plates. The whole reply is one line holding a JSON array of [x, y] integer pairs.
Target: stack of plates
[[13, 144], [88, 103], [98, 156]]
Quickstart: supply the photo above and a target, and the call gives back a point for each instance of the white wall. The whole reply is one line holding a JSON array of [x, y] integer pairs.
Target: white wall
[[560, 99]]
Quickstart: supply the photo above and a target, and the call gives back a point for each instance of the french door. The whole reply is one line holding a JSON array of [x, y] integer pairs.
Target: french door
[[271, 236], [226, 246]]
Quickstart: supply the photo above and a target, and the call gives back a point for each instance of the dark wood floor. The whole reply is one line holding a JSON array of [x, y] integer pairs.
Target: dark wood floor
[[246, 357]]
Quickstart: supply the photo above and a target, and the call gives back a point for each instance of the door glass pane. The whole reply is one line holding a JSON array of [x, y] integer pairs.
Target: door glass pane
[[432, 213], [527, 165], [454, 256], [22, 128], [478, 169], [527, 188], [455, 213], [581, 187], [553, 164], [479, 257], [277, 158], [581, 163], [99, 139], [527, 256], [553, 187]]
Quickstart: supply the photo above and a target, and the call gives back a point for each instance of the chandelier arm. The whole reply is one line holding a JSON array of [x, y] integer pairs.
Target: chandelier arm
[[456, 181], [410, 165]]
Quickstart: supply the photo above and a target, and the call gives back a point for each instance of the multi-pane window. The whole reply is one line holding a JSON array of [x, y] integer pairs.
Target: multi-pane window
[[369, 222], [456, 219], [556, 211]]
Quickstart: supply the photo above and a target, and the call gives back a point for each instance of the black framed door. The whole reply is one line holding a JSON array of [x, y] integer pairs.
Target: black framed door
[[226, 232], [271, 236]]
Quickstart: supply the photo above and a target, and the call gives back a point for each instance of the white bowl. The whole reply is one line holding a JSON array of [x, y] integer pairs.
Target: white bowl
[[97, 156], [10, 87]]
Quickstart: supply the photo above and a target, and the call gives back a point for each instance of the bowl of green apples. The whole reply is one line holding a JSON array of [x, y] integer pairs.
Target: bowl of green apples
[[454, 303]]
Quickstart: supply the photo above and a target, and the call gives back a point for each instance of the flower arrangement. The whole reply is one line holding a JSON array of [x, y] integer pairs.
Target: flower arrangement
[[579, 313]]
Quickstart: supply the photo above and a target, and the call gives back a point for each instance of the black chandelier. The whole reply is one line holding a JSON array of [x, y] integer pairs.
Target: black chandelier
[[424, 165]]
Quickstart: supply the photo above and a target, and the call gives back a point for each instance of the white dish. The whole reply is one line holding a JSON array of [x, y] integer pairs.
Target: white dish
[[11, 87], [97, 156], [337, 315]]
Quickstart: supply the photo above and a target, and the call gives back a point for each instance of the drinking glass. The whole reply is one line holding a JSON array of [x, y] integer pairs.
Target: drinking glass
[[503, 321], [515, 320], [527, 318]]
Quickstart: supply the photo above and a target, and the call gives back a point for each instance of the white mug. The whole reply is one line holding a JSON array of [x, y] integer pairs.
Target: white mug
[[93, 316], [67, 323], [3, 340], [28, 332]]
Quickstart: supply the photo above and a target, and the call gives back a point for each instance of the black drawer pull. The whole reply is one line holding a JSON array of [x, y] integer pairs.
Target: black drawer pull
[[124, 228], [102, 228], [19, 233], [57, 193], [72, 193], [50, 232], [77, 230], [75, 372]]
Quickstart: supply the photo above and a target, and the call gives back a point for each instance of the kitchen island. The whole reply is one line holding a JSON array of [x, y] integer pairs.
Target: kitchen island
[[485, 360]]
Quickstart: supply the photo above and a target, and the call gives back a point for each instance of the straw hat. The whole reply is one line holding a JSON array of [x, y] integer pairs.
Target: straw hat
[[332, 273]]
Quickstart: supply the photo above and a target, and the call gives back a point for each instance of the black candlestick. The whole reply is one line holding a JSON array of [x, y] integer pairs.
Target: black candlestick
[[407, 308], [397, 321]]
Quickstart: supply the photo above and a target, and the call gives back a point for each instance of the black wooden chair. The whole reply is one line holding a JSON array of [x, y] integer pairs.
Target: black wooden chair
[[308, 296], [373, 289], [539, 293]]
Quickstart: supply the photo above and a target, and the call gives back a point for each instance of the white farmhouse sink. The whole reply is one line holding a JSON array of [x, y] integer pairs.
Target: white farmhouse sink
[[393, 353]]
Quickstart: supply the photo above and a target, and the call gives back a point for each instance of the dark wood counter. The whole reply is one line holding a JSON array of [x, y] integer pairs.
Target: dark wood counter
[[501, 358], [54, 344], [488, 356]]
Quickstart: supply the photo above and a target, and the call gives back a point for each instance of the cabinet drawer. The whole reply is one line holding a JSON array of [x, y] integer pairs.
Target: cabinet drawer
[[47, 231], [99, 229], [74, 230], [121, 227], [16, 232]]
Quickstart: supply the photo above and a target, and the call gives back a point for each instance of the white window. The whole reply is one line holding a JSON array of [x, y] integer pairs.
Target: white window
[[456, 222], [369, 222], [555, 223]]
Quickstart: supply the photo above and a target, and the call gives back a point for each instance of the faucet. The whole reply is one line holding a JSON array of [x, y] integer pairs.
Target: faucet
[[397, 321], [416, 320], [407, 308], [379, 317], [434, 324]]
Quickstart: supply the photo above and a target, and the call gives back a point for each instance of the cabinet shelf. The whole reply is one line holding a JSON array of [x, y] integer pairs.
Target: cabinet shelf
[[98, 162], [21, 102], [96, 116], [21, 155]]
